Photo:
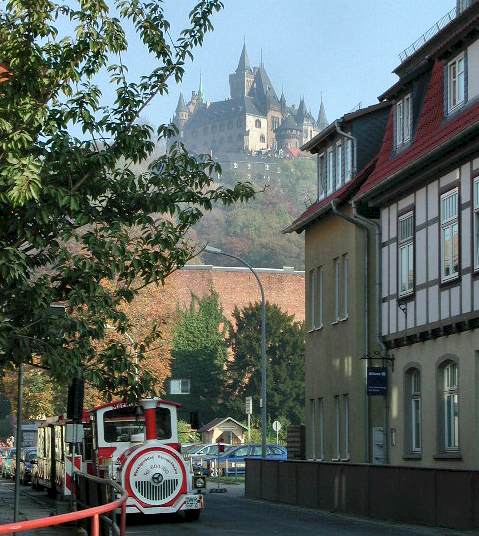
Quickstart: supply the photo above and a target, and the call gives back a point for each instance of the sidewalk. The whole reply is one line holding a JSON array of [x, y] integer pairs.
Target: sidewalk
[[33, 505]]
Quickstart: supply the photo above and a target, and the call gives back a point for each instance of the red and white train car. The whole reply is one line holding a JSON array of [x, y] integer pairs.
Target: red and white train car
[[135, 444]]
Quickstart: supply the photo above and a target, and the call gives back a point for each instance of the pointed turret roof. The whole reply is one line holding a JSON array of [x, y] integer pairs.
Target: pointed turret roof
[[322, 122], [243, 64], [201, 92], [301, 113], [181, 106]]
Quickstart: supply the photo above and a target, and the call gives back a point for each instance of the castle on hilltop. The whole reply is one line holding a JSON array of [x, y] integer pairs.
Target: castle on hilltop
[[253, 120]]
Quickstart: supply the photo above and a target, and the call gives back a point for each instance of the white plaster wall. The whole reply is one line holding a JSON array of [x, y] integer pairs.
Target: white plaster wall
[[455, 297], [421, 248], [450, 177], [466, 293], [420, 206], [406, 201], [432, 200], [433, 299], [255, 133], [432, 251], [473, 70]]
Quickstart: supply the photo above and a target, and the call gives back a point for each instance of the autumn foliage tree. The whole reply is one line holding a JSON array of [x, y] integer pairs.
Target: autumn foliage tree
[[77, 225]]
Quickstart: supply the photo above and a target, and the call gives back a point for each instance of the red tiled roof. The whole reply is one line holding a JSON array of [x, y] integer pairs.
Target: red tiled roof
[[322, 206], [433, 130]]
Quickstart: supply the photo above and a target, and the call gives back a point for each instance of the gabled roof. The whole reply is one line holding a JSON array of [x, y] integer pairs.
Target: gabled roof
[[289, 124], [318, 209], [264, 84], [433, 133], [225, 110], [216, 422]]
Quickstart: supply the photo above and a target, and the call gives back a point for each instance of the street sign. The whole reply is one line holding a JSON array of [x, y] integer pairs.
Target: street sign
[[276, 426], [249, 405], [377, 381]]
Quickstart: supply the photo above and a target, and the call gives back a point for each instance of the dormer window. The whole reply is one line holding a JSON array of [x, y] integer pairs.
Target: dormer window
[[403, 121], [456, 86]]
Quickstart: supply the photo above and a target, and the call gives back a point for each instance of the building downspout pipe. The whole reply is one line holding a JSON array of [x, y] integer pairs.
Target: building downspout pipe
[[365, 228], [377, 229]]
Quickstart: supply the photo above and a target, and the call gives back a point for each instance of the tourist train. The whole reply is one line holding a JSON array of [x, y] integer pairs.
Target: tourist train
[[134, 444]]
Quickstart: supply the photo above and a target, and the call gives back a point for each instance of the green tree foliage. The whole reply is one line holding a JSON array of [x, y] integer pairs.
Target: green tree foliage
[[285, 373], [78, 226], [253, 230], [199, 353]]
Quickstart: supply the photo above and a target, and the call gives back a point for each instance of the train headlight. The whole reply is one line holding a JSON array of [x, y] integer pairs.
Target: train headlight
[[199, 482]]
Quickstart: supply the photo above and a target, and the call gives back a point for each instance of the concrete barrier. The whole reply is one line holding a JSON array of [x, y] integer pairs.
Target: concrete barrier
[[425, 496]]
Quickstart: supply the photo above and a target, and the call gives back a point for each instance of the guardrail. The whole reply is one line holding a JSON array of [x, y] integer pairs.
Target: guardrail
[[96, 513]]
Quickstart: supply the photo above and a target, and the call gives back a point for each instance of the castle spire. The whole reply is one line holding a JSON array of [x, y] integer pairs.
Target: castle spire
[[181, 106], [243, 64], [201, 92], [322, 122]]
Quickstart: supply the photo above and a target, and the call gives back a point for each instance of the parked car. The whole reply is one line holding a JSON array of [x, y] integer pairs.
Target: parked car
[[187, 449], [28, 458], [232, 461], [200, 455], [7, 462]]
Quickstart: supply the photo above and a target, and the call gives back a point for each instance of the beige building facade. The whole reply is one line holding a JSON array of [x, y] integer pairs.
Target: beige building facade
[[343, 424]]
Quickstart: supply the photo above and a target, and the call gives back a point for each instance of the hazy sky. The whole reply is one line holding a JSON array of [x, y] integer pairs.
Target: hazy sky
[[344, 48]]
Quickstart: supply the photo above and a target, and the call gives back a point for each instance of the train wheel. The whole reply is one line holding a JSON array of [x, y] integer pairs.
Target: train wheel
[[192, 515]]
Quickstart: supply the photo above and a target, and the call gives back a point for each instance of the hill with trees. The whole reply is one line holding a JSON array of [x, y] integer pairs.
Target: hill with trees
[[252, 230]]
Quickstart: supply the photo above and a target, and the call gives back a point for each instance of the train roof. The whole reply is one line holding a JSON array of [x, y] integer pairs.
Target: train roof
[[123, 403]]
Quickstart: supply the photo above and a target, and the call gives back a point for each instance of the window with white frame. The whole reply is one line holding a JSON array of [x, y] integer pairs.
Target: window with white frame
[[312, 429], [319, 298], [337, 293], [449, 235], [414, 397], [403, 120], [476, 224], [456, 85], [330, 171], [337, 411], [348, 161], [346, 454], [313, 282], [321, 428], [322, 175], [450, 406], [345, 286], [339, 164], [406, 253], [180, 387]]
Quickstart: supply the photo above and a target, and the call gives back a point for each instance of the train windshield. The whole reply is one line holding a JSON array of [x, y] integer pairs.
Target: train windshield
[[121, 423]]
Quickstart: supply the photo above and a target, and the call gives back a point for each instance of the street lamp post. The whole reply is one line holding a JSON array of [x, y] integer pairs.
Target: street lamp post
[[210, 249]]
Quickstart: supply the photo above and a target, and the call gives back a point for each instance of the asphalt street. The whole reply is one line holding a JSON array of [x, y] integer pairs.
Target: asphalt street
[[232, 514]]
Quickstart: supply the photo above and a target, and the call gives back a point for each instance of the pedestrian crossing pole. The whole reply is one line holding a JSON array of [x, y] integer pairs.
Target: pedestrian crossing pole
[[18, 442]]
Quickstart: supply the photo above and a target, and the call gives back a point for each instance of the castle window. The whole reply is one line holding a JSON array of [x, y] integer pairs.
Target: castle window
[[275, 123], [257, 123], [230, 124], [262, 138], [238, 123]]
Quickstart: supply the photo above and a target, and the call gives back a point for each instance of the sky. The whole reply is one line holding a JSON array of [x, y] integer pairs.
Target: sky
[[344, 49]]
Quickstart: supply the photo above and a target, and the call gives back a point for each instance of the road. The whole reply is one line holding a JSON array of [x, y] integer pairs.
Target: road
[[232, 514]]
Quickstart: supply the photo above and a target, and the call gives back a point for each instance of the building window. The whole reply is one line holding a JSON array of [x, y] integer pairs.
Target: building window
[[406, 254], [262, 139], [348, 161], [330, 172], [275, 123], [476, 224], [403, 121], [337, 411], [321, 427], [180, 387], [449, 235], [346, 427], [339, 164], [450, 404], [456, 86], [319, 298], [413, 385], [312, 296], [323, 185], [239, 123], [312, 428], [337, 282], [257, 123], [345, 287]]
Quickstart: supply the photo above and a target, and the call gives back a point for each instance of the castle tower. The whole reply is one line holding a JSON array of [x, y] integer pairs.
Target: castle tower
[[241, 81], [181, 114], [322, 121]]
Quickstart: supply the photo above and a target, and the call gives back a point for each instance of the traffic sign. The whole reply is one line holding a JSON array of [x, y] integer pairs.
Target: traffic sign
[[276, 426], [249, 405]]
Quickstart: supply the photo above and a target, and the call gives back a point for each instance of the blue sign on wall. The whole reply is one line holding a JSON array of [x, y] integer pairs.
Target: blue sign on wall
[[377, 381]]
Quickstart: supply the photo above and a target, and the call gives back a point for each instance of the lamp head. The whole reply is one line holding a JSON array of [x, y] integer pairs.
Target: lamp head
[[211, 249]]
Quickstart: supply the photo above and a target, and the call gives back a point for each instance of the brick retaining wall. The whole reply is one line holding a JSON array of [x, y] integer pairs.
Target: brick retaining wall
[[435, 497]]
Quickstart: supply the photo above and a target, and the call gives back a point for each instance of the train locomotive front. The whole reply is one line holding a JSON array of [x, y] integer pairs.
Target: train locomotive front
[[138, 447]]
